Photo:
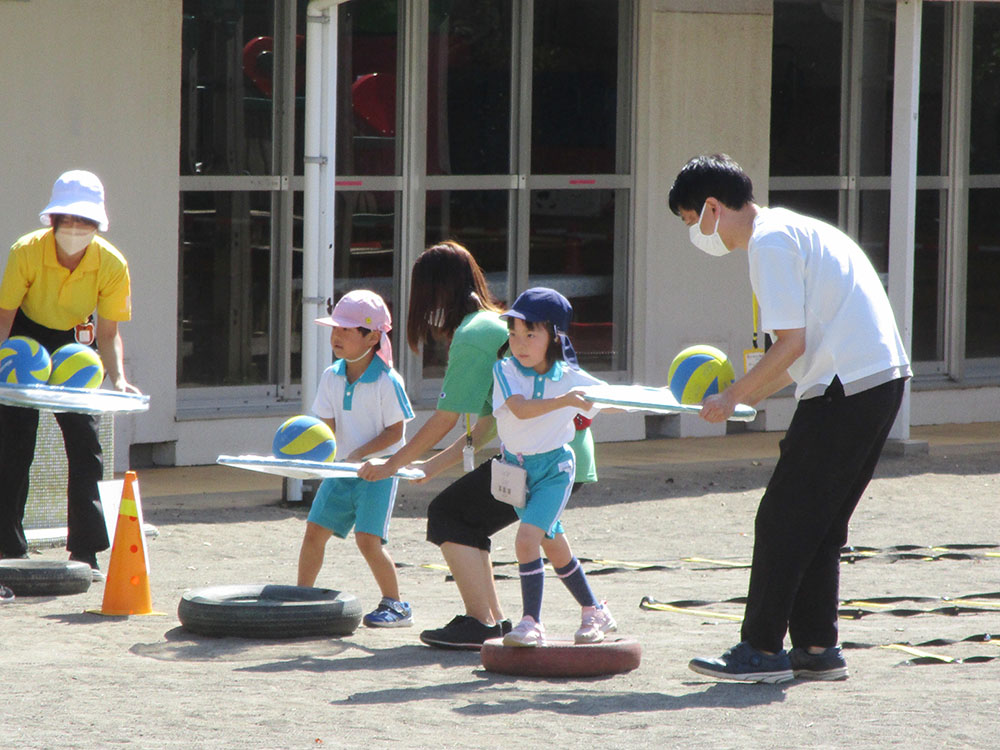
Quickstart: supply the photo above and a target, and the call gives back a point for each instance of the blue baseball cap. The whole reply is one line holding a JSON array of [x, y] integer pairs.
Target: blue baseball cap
[[541, 304]]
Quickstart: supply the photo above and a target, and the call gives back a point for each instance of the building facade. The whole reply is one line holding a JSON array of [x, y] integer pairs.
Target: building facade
[[542, 134]]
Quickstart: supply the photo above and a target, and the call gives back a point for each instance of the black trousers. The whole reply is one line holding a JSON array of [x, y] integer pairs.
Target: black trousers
[[826, 461], [466, 512], [18, 429]]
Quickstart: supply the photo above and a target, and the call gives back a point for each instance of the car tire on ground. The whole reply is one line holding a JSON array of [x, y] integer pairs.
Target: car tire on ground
[[45, 577], [268, 611]]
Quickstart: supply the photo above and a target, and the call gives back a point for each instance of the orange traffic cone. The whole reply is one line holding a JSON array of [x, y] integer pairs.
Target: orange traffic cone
[[126, 591]]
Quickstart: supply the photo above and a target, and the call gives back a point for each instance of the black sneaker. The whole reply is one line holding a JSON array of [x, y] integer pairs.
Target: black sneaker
[[6, 595], [91, 560], [746, 664], [828, 665], [463, 632]]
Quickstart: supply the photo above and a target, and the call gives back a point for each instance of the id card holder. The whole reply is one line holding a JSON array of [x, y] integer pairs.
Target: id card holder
[[750, 358], [509, 483], [468, 458]]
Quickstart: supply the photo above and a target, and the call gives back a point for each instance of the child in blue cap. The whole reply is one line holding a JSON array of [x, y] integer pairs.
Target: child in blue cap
[[534, 404]]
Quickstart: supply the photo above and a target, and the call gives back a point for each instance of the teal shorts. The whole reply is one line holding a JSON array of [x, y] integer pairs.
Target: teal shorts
[[550, 482], [343, 504]]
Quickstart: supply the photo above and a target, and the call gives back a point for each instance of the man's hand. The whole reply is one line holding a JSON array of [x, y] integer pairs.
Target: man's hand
[[718, 408]]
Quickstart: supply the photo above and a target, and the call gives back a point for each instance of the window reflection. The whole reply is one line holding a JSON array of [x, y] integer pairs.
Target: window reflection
[[227, 87], [982, 335], [821, 204], [929, 276], [572, 251], [932, 125], [225, 264], [365, 233], [873, 229], [805, 87], [477, 219], [984, 119], [574, 87], [468, 87], [368, 45]]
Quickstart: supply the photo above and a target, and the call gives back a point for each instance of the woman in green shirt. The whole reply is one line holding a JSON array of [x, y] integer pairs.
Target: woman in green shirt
[[450, 301]]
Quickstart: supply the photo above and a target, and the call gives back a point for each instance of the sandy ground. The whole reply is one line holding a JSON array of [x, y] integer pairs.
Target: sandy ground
[[77, 680]]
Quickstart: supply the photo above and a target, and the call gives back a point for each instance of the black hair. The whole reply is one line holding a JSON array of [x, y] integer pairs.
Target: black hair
[[445, 281], [57, 219], [555, 351], [717, 176], [365, 332]]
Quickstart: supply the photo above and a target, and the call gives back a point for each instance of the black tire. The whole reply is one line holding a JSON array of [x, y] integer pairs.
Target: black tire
[[45, 577], [268, 611]]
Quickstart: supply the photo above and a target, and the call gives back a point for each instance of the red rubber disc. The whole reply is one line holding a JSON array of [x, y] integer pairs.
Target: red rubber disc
[[562, 658]]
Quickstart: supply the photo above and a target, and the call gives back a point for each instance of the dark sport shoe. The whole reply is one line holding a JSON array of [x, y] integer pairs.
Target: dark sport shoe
[[746, 664], [91, 559], [828, 665], [6, 595], [463, 632]]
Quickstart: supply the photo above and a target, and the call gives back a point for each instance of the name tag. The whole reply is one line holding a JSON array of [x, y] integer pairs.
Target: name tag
[[509, 483], [751, 357]]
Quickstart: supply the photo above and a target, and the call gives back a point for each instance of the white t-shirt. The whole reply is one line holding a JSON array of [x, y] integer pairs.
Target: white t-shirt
[[808, 274], [549, 431], [362, 409]]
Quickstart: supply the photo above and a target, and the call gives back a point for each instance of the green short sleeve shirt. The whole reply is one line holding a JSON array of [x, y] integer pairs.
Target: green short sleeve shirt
[[468, 380], [583, 447]]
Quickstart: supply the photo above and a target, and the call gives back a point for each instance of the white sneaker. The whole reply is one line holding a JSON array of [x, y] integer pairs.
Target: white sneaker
[[526, 633], [596, 621]]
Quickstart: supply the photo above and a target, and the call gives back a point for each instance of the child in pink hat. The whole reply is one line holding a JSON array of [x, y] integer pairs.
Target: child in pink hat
[[363, 400]]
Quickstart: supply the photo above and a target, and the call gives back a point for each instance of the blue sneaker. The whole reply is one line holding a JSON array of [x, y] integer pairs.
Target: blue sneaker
[[390, 614], [746, 664], [828, 665]]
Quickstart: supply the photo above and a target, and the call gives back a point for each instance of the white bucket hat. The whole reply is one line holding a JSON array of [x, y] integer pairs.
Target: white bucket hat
[[77, 193]]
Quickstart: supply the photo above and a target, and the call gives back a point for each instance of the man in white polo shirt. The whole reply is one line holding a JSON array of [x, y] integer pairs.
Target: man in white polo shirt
[[835, 337]]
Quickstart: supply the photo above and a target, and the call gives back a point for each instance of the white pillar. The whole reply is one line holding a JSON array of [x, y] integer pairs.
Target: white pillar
[[319, 172], [903, 183]]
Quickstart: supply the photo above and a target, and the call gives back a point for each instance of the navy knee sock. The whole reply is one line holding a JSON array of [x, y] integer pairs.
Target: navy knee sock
[[532, 583], [572, 575]]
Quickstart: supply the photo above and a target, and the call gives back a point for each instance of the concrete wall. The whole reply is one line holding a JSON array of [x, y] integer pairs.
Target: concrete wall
[[704, 84], [94, 84]]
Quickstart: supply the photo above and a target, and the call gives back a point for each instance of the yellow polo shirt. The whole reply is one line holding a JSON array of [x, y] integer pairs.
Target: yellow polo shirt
[[52, 296]]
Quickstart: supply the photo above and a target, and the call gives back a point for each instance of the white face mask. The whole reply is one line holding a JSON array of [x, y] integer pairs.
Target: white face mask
[[707, 243], [74, 239]]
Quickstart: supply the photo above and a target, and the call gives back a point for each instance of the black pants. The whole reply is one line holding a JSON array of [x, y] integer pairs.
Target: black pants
[[827, 459], [466, 512], [18, 429]]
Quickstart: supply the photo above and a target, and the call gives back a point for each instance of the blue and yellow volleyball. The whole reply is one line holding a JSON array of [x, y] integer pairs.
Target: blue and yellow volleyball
[[699, 371], [76, 366], [305, 438], [23, 361]]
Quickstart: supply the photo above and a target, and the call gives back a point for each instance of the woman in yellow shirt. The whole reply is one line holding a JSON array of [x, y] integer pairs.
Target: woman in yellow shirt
[[56, 281]]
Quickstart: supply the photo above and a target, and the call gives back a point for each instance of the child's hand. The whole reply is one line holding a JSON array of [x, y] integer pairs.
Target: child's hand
[[375, 470], [576, 400]]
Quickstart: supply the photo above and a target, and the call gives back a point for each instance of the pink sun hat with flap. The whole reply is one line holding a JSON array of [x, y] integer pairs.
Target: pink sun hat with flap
[[362, 308]]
